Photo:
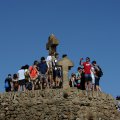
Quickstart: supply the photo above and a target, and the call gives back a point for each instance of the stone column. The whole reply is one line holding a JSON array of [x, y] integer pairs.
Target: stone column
[[52, 44], [66, 64]]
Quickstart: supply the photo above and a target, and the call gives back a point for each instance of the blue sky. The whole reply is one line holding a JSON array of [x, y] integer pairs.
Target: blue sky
[[83, 27]]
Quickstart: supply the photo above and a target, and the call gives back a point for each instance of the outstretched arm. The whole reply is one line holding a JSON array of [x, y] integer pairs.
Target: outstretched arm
[[81, 63]]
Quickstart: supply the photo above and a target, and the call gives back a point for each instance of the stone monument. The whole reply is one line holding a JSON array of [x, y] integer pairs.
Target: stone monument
[[66, 64], [52, 44]]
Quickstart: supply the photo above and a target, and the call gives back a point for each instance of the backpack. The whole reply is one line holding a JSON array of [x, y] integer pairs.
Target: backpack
[[27, 75], [100, 72]]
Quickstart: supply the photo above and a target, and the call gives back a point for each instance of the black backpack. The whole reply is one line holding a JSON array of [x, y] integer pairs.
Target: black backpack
[[100, 72]]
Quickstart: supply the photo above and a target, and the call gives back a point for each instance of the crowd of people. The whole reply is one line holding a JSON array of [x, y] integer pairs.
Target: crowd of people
[[46, 74], [87, 77], [42, 74]]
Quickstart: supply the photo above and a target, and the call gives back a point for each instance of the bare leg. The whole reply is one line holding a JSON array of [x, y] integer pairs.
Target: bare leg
[[33, 86], [58, 81], [47, 83], [24, 89], [42, 82], [93, 87], [97, 88], [89, 85], [19, 88], [41, 86], [100, 89], [51, 80]]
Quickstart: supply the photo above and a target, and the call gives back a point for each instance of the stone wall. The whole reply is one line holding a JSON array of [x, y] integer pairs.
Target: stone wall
[[55, 105]]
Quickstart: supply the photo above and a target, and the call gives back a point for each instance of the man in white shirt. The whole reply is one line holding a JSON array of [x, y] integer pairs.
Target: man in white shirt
[[50, 69], [21, 79]]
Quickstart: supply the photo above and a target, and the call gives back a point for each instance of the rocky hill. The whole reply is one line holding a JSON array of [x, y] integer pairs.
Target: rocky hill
[[54, 104]]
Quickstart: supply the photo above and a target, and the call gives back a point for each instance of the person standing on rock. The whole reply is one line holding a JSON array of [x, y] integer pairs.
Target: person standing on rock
[[56, 71], [43, 72], [98, 73], [15, 82], [8, 82], [87, 70], [78, 77], [21, 79], [72, 82], [49, 60], [93, 77], [33, 73]]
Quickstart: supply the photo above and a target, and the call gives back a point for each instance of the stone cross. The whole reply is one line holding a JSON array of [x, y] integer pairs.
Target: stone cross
[[52, 44], [66, 64]]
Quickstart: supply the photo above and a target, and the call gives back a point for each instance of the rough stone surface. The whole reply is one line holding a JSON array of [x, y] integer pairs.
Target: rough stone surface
[[52, 44], [65, 63], [51, 105]]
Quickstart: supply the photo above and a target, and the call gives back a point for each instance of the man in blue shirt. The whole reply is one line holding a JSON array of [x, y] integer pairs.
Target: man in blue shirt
[[8, 81], [43, 70]]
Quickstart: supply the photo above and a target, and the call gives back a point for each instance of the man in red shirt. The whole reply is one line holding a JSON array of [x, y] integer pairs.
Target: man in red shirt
[[87, 70]]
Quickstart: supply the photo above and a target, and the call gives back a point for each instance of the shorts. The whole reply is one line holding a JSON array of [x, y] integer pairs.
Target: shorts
[[21, 82], [33, 82], [56, 73], [97, 81], [43, 78], [88, 77]]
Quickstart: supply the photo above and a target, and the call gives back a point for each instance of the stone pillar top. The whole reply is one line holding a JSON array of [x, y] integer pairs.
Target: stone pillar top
[[66, 64], [52, 44]]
